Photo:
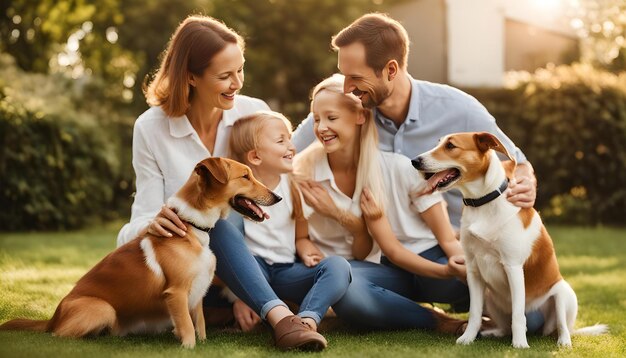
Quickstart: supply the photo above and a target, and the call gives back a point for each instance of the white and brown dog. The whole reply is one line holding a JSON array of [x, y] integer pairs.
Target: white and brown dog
[[152, 283], [511, 263]]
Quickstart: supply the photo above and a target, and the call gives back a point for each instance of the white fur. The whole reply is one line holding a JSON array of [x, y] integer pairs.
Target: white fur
[[205, 270], [497, 245], [206, 218], [150, 256]]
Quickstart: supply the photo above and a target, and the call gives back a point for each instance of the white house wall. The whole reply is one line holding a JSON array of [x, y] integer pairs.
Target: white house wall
[[475, 42]]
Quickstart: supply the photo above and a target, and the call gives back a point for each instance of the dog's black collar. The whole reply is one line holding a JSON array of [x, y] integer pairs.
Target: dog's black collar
[[207, 229], [489, 197]]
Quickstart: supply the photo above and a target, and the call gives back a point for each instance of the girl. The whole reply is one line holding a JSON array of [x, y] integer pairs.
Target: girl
[[194, 105], [263, 142], [350, 177]]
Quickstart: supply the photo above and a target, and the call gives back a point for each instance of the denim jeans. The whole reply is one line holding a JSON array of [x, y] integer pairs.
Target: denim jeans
[[239, 270], [383, 296], [314, 288], [257, 283]]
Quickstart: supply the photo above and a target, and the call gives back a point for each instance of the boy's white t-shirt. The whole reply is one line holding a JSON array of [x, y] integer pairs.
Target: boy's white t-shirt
[[402, 209], [274, 239]]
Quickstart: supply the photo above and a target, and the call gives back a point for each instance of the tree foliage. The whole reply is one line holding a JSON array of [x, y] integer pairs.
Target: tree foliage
[[570, 121]]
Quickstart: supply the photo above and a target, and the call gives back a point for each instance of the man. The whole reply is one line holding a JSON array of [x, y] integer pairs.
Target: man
[[411, 115]]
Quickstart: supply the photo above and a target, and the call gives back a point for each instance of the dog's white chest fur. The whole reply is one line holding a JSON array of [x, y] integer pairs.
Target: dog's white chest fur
[[204, 272], [493, 236]]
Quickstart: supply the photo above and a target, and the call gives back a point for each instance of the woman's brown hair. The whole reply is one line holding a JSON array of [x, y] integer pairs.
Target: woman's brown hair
[[190, 51]]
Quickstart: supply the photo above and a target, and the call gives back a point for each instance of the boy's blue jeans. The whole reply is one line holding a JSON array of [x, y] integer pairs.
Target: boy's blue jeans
[[259, 285]]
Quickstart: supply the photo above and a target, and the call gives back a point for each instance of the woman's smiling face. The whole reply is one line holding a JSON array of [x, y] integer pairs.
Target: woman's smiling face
[[222, 79]]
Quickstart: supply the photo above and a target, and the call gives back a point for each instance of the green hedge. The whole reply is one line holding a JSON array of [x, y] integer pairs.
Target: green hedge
[[60, 167], [570, 121]]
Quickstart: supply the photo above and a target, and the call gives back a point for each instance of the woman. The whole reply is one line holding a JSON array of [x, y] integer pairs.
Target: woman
[[194, 105], [350, 179]]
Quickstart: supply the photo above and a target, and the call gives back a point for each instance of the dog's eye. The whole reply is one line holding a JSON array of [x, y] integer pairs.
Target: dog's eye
[[246, 176], [449, 145]]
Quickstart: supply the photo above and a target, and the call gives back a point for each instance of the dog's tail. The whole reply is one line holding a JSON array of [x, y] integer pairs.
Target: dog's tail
[[595, 330], [21, 324]]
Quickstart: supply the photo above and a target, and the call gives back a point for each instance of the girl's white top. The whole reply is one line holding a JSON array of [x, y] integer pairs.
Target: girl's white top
[[402, 208]]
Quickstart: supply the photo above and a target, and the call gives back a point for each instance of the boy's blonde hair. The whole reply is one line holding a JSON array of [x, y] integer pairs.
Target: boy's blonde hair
[[245, 136], [368, 168], [246, 133]]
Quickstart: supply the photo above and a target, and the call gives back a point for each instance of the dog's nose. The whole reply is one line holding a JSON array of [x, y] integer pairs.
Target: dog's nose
[[276, 198], [417, 163]]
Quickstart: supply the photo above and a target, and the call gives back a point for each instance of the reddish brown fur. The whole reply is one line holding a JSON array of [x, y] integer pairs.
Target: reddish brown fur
[[526, 216], [121, 291], [466, 152], [541, 270]]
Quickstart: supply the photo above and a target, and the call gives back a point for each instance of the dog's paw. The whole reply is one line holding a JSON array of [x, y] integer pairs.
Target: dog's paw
[[565, 342], [465, 339], [202, 336], [520, 343], [189, 343]]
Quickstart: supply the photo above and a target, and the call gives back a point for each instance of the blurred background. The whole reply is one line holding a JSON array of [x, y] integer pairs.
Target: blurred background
[[552, 72]]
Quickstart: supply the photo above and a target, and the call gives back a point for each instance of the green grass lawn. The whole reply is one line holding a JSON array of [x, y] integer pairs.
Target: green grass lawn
[[37, 270]]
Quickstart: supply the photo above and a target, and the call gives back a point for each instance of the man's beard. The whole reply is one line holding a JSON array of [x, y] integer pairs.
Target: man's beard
[[375, 97]]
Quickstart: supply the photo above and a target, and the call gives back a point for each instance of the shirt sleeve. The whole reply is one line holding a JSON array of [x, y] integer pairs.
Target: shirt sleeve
[[303, 136], [149, 196], [480, 120], [413, 183]]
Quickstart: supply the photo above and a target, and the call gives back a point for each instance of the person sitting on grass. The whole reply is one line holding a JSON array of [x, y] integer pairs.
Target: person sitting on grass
[[263, 142]]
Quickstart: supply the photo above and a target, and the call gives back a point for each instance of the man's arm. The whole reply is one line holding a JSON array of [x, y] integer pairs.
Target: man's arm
[[303, 136]]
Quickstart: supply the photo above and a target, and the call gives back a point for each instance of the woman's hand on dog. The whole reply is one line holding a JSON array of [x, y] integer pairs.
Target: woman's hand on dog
[[245, 316], [165, 223]]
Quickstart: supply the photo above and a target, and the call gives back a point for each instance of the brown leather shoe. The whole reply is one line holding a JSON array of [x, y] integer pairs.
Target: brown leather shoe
[[290, 333]]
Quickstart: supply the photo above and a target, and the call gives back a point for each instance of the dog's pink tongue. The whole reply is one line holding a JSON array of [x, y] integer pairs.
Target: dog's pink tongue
[[256, 209], [437, 178]]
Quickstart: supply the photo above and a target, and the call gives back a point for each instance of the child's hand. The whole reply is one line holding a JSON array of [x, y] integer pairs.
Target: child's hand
[[369, 206], [312, 259], [318, 198], [457, 268], [245, 316]]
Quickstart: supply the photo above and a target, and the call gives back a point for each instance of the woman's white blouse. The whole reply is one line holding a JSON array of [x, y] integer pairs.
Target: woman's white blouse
[[165, 151], [402, 208]]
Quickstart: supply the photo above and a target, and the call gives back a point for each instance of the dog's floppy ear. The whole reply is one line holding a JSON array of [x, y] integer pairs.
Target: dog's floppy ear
[[216, 167], [485, 141]]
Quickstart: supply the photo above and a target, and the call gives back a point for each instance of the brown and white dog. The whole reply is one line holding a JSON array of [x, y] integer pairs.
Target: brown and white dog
[[152, 283], [510, 258]]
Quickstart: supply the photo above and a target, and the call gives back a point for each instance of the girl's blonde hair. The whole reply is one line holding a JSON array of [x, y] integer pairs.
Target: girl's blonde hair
[[369, 167], [245, 136], [190, 51]]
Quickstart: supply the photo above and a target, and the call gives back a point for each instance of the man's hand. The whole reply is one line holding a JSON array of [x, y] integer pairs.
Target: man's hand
[[522, 191], [245, 316]]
